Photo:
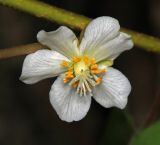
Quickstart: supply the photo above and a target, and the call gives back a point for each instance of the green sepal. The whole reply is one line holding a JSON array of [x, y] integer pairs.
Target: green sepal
[[106, 62]]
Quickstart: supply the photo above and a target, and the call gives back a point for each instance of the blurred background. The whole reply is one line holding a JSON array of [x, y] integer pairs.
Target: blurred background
[[26, 115]]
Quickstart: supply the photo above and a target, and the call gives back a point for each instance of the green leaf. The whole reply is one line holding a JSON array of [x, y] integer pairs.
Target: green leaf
[[148, 136], [118, 129]]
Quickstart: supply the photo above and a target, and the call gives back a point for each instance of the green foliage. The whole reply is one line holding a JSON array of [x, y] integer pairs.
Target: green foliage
[[119, 129], [148, 136]]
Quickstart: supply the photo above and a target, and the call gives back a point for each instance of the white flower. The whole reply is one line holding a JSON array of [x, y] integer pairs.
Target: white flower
[[84, 68]]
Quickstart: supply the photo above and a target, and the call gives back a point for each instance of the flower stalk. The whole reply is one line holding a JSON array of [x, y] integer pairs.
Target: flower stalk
[[73, 20]]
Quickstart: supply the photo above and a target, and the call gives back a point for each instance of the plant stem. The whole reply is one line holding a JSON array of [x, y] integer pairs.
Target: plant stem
[[146, 42], [72, 20], [20, 50], [49, 12]]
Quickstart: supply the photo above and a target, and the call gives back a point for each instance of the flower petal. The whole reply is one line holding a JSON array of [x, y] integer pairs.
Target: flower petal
[[40, 65], [99, 30], [67, 103], [114, 89], [114, 47], [102, 39], [63, 40]]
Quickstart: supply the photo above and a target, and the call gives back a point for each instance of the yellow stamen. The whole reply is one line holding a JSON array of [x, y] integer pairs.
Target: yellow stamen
[[75, 84], [69, 75], [65, 80], [76, 59], [70, 69], [86, 60], [98, 71], [93, 61], [103, 70], [65, 63], [95, 66], [98, 80]]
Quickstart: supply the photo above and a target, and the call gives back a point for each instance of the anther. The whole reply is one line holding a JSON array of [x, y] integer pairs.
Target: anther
[[75, 84], [65, 63], [95, 66], [93, 61], [65, 80], [76, 59], [98, 80], [98, 71], [86, 60]]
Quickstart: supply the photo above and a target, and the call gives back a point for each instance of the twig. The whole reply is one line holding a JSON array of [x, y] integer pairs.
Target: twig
[[20, 50], [144, 41], [49, 12]]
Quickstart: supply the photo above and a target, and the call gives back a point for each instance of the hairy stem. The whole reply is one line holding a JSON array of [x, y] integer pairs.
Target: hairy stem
[[70, 19]]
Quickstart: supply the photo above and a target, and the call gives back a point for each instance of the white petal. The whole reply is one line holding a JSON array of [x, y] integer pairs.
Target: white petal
[[40, 65], [99, 30], [67, 103], [63, 40], [98, 36], [114, 89], [114, 47]]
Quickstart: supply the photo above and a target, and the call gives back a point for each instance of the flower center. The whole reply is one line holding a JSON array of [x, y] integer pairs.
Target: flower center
[[80, 68], [83, 74]]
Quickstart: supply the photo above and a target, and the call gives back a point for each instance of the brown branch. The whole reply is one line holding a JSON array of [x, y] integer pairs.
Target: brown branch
[[20, 50]]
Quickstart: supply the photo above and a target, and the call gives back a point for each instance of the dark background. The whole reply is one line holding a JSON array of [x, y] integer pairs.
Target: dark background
[[26, 115]]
